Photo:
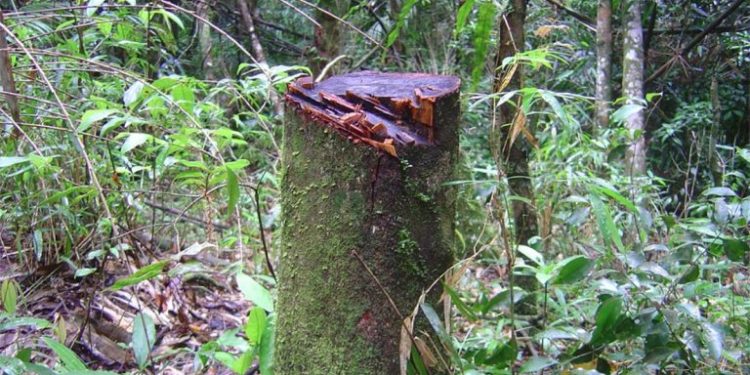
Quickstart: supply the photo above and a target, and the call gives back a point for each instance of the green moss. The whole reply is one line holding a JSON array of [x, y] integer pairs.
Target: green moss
[[409, 255]]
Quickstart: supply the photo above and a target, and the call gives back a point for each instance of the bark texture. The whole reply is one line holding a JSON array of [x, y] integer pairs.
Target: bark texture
[[603, 62], [6, 80], [329, 36], [632, 86], [343, 192], [514, 158]]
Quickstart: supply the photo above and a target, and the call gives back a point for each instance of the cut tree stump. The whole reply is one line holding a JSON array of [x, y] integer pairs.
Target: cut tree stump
[[366, 160]]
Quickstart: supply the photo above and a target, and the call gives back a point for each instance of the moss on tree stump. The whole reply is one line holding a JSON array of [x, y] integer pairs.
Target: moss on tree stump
[[366, 159]]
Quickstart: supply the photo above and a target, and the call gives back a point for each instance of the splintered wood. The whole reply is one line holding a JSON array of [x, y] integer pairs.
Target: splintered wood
[[384, 110]]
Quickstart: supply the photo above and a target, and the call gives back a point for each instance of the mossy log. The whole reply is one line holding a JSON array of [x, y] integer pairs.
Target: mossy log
[[366, 159]]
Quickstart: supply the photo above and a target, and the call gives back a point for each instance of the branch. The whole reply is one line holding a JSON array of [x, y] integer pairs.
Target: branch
[[588, 22], [694, 42], [181, 215]]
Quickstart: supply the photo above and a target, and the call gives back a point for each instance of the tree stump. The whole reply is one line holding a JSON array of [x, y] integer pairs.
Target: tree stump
[[366, 159]]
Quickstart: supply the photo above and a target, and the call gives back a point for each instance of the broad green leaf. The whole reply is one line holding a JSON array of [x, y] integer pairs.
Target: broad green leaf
[[624, 112], [233, 191], [436, 323], [83, 272], [720, 191], [254, 292], [237, 164], [735, 249], [531, 254], [607, 316], [713, 339], [7, 161], [241, 364], [132, 93], [572, 269], [607, 226], [70, 360], [134, 140], [12, 366], [266, 350], [464, 309], [92, 116], [9, 296], [144, 337], [255, 326], [463, 15], [10, 323], [143, 274], [691, 274], [619, 198], [537, 363]]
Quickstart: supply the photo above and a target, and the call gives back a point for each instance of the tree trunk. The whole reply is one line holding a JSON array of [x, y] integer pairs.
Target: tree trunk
[[512, 158], [328, 36], [8, 83], [603, 62], [204, 39], [366, 157], [632, 87]]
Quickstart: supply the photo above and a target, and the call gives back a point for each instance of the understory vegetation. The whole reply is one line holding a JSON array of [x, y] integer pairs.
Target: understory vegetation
[[139, 182]]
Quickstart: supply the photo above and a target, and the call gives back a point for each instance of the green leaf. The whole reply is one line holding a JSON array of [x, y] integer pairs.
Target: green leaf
[[537, 363], [624, 112], [254, 292], [607, 316], [233, 191], [7, 161], [619, 198], [463, 15], [92, 116], [9, 296], [735, 249], [607, 226], [482, 33], [531, 254], [134, 140], [256, 325], [70, 360], [572, 269], [402, 15], [132, 93], [143, 274], [144, 337], [691, 274], [241, 364], [11, 323], [464, 309], [720, 192], [713, 339], [12, 366], [266, 350]]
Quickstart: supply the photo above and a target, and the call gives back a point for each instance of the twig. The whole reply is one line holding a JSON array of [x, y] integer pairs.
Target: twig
[[182, 215], [588, 22], [256, 192], [694, 42]]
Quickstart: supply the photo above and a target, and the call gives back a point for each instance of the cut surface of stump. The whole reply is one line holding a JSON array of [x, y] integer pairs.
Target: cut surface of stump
[[366, 159]]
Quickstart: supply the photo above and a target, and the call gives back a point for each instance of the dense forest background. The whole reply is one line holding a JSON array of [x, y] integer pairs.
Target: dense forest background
[[603, 216]]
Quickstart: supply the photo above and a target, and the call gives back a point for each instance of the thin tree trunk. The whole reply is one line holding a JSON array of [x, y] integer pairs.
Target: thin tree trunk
[[350, 207], [512, 158], [632, 87], [204, 39], [328, 37], [7, 81], [249, 11], [603, 62]]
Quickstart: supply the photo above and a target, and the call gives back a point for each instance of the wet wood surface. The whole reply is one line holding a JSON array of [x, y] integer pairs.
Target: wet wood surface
[[384, 110]]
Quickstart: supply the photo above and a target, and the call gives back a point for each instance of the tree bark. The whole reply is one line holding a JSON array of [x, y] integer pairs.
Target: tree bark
[[204, 39], [328, 36], [632, 87], [603, 62], [7, 82], [366, 157], [513, 158]]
